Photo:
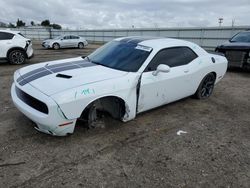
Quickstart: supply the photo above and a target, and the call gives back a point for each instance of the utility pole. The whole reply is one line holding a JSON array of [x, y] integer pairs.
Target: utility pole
[[233, 22], [220, 21]]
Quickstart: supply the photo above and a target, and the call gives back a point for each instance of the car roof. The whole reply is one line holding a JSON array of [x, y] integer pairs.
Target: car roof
[[159, 43], [155, 42], [9, 31], [69, 35]]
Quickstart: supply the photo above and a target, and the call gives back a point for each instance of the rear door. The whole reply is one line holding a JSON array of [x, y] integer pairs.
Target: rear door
[[75, 40], [171, 86]]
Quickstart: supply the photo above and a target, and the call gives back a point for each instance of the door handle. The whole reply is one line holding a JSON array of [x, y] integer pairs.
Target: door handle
[[186, 71]]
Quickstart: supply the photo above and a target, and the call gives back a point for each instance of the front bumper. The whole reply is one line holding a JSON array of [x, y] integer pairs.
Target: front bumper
[[236, 57], [53, 123], [46, 45]]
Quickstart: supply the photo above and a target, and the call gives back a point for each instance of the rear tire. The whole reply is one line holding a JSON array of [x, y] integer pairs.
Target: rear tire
[[17, 57], [56, 46], [206, 87]]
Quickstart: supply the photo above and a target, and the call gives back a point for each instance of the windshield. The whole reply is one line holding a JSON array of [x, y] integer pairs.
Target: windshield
[[122, 56], [241, 37], [58, 37]]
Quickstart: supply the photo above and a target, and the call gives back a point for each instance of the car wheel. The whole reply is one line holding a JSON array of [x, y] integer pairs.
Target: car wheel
[[80, 45], [56, 46], [206, 87], [95, 118], [16, 57]]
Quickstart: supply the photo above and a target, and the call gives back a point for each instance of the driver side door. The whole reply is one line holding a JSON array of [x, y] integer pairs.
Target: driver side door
[[166, 87]]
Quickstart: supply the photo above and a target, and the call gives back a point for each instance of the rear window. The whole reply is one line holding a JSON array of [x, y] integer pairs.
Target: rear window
[[6, 36], [21, 35], [74, 37]]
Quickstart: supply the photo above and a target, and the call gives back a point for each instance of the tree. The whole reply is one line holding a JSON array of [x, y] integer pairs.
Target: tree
[[3, 24], [45, 23], [32, 23], [11, 25], [20, 23], [56, 26]]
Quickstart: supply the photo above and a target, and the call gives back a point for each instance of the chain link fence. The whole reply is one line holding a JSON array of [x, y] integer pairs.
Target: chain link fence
[[207, 37]]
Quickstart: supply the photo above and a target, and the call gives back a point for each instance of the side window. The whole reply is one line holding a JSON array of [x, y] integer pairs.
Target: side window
[[6, 36], [75, 37], [172, 57], [66, 37]]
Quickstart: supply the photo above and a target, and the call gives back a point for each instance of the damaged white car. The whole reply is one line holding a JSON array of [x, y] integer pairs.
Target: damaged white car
[[124, 77]]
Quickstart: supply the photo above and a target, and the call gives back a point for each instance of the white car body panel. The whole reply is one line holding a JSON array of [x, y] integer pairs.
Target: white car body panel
[[17, 41], [67, 98], [180, 82]]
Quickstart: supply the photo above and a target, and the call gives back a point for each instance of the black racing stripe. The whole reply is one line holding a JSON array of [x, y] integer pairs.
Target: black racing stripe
[[30, 73], [65, 64], [81, 62], [137, 40], [34, 77], [53, 69], [59, 69], [86, 65], [70, 67], [25, 76], [127, 39]]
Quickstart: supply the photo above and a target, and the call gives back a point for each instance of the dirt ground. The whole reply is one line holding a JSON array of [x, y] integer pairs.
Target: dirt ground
[[145, 152]]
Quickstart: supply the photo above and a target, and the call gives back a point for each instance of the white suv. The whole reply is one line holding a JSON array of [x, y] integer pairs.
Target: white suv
[[15, 47]]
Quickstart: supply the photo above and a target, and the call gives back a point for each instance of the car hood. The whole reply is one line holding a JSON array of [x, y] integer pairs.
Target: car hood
[[235, 46], [56, 76]]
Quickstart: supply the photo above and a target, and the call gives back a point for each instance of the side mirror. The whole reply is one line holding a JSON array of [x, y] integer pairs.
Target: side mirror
[[161, 68]]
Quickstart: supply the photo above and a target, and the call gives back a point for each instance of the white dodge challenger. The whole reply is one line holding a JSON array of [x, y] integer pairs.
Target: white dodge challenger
[[124, 77]]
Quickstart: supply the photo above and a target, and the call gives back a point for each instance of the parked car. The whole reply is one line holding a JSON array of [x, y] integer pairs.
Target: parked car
[[65, 41], [14, 47], [124, 77], [237, 50]]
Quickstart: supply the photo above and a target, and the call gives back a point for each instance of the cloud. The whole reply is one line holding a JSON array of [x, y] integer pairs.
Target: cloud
[[94, 14]]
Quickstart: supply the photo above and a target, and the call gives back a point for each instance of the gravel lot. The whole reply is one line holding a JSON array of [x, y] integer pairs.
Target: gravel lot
[[145, 152]]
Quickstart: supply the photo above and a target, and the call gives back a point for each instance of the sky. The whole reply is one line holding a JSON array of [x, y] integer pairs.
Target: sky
[[114, 14]]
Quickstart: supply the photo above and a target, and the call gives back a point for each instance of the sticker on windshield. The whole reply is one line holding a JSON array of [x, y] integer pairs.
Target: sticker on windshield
[[144, 48]]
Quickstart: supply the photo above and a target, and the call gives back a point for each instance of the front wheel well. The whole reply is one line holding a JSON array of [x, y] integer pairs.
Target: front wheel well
[[214, 73], [112, 105]]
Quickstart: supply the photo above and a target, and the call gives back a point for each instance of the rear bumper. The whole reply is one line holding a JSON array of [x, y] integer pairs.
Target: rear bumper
[[53, 123], [32, 55], [30, 51]]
